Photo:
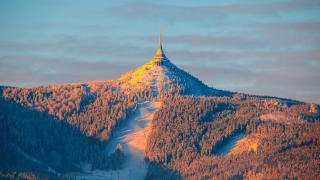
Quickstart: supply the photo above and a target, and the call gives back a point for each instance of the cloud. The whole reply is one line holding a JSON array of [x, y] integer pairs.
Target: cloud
[[301, 83], [34, 71], [195, 41], [149, 10], [84, 48], [258, 41], [291, 26], [261, 58]]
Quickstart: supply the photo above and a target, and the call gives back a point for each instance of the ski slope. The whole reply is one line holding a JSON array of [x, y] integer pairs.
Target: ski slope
[[133, 138]]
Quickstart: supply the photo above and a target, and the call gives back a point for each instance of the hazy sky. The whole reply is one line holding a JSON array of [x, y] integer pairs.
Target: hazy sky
[[258, 47]]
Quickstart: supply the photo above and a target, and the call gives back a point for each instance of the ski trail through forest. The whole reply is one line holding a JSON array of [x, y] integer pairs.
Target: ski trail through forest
[[133, 138]]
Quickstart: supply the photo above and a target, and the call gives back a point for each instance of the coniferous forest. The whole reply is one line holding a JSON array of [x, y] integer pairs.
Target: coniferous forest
[[45, 130], [195, 127], [89, 92]]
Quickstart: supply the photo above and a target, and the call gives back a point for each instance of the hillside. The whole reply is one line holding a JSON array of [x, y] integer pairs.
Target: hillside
[[165, 78], [199, 132], [189, 133], [131, 139]]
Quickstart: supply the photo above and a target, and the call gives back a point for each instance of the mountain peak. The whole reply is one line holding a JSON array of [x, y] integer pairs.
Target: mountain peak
[[160, 76]]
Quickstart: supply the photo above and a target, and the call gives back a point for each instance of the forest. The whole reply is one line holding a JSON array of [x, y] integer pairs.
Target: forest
[[286, 148], [48, 130], [60, 128]]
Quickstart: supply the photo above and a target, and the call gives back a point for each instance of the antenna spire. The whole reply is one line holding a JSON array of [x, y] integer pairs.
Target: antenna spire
[[160, 38]]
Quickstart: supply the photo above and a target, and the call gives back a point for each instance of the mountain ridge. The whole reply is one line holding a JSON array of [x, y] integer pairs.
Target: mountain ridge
[[194, 121]]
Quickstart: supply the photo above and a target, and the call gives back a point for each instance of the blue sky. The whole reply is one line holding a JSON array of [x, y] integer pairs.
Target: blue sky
[[257, 47]]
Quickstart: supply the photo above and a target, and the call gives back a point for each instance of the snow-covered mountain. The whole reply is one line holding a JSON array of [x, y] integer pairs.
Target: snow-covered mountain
[[163, 77], [60, 129]]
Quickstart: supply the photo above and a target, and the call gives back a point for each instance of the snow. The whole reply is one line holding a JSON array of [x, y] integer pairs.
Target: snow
[[27, 156], [249, 143], [158, 75], [144, 77], [133, 138], [240, 143], [160, 78], [230, 144], [281, 117], [33, 159]]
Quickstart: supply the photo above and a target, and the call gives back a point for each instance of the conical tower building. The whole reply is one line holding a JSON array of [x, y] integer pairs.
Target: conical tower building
[[160, 57]]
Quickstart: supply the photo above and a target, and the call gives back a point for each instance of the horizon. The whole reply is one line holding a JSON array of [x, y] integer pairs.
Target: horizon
[[269, 49]]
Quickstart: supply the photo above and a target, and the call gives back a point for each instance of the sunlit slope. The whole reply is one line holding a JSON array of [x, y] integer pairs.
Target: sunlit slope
[[165, 78], [132, 136]]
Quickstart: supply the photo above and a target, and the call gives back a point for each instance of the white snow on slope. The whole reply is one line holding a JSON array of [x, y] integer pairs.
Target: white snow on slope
[[133, 138], [227, 147], [33, 159], [163, 78]]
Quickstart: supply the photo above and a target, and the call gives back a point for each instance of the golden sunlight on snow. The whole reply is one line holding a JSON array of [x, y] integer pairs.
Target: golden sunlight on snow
[[133, 139], [247, 144], [280, 117], [138, 139], [149, 75]]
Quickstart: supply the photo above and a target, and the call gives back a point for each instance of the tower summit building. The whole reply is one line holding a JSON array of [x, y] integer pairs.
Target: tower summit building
[[159, 76], [160, 57]]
